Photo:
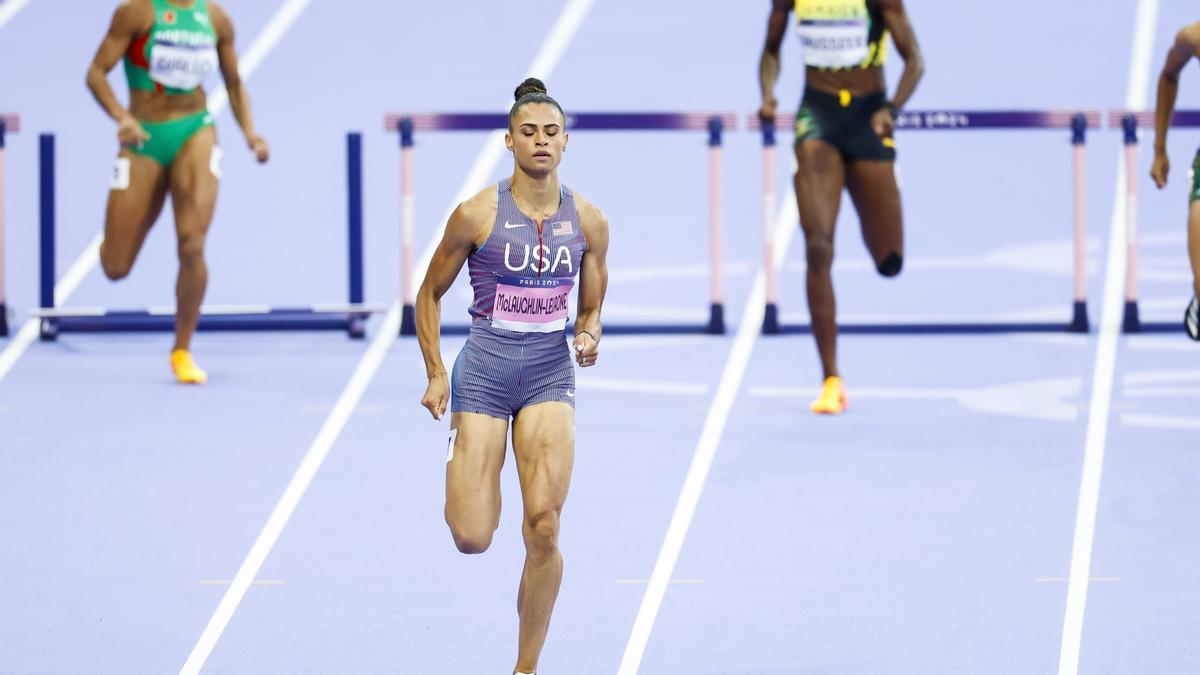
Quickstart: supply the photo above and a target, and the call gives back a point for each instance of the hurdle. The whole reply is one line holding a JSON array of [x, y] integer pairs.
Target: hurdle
[[714, 123], [350, 317], [1129, 122], [9, 124], [948, 120]]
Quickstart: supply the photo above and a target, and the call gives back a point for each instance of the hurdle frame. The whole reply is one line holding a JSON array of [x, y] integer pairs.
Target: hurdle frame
[[1130, 121], [350, 317], [10, 123], [1078, 122], [714, 123]]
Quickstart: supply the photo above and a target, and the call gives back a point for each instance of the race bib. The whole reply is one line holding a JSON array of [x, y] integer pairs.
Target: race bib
[[532, 304], [835, 43], [120, 175], [180, 66], [214, 161]]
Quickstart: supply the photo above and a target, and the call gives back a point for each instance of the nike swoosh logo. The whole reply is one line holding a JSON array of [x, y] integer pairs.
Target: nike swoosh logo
[[510, 226], [571, 394]]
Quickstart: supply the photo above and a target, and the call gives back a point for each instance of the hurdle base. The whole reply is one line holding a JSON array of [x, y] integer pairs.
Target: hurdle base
[[408, 320], [1079, 318], [1161, 327], [3, 320], [716, 319], [47, 330], [933, 328], [145, 322], [770, 324], [1131, 323], [611, 329]]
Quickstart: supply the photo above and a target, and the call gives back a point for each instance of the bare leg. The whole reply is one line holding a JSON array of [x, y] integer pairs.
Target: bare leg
[[473, 479], [193, 197], [876, 197], [544, 444], [1194, 245], [134, 204], [819, 179]]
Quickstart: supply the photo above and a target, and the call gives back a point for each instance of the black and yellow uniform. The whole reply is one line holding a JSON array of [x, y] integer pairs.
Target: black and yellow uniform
[[842, 35], [845, 123]]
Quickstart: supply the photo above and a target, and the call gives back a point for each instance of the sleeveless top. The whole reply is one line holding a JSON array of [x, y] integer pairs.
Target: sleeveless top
[[523, 274], [178, 52], [841, 34]]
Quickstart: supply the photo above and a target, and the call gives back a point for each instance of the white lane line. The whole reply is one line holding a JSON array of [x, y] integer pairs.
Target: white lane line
[[906, 394], [612, 384], [1047, 400], [270, 36], [62, 290], [266, 41], [9, 9], [256, 582], [1112, 308], [674, 582], [1159, 421], [1059, 580], [1163, 392], [655, 313], [749, 328], [560, 36], [1162, 377], [330, 430]]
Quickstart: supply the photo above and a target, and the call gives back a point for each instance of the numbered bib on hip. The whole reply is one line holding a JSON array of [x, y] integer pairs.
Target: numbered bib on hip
[[120, 175], [181, 66], [532, 304], [835, 43], [450, 445], [214, 161]]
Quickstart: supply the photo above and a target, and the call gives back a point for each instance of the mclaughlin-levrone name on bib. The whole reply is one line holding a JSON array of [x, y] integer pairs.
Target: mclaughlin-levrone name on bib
[[532, 304]]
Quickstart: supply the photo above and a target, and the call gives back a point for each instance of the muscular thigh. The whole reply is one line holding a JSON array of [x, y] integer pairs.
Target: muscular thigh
[[544, 445], [876, 196], [474, 457], [820, 176], [194, 180], [137, 189]]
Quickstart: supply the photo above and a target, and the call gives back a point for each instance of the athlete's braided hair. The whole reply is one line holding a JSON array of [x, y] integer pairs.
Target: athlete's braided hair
[[532, 90]]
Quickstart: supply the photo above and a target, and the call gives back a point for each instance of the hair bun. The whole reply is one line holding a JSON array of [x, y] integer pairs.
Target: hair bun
[[530, 86]]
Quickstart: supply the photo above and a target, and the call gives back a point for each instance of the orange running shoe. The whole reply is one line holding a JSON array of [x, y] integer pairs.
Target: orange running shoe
[[833, 399], [185, 368]]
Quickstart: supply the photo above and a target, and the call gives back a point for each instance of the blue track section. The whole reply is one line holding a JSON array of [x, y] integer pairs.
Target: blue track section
[[929, 530]]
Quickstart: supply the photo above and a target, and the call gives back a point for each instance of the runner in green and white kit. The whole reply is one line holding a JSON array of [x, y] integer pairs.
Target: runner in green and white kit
[[168, 141], [1186, 48]]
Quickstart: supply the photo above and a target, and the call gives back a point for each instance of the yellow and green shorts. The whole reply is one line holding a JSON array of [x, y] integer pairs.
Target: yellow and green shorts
[[166, 138], [844, 121]]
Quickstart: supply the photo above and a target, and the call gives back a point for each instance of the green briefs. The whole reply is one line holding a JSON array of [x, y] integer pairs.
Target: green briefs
[[166, 138], [1196, 178]]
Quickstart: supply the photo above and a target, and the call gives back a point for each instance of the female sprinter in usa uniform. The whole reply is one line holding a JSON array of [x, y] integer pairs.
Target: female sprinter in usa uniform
[[843, 140], [1186, 48], [524, 241], [168, 142]]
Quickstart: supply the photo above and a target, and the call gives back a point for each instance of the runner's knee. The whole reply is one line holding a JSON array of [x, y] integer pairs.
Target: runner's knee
[[891, 265]]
